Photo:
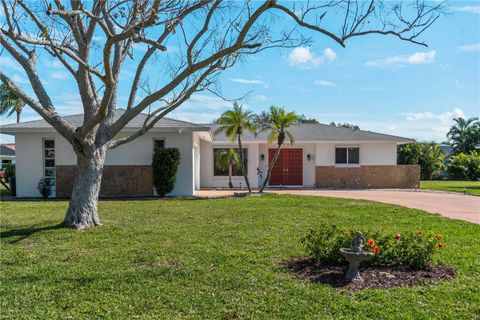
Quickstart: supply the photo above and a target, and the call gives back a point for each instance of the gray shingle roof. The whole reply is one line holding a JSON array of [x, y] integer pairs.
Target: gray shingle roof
[[136, 123], [320, 132], [5, 150]]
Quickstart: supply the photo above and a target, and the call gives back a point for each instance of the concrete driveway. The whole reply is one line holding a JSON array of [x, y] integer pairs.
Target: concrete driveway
[[451, 205]]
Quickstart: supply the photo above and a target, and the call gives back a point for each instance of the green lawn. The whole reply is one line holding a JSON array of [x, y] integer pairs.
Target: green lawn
[[473, 187], [213, 259]]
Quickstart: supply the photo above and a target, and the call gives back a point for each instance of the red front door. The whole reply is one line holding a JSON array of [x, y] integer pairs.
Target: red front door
[[288, 170]]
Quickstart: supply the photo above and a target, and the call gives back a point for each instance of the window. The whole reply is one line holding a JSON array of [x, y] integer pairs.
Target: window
[[237, 170], [158, 143], [347, 155], [6, 161], [49, 162]]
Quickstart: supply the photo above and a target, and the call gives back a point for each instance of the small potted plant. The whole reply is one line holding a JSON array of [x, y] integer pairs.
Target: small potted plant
[[44, 188]]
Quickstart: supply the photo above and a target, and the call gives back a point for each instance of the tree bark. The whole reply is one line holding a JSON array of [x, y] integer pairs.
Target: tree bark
[[18, 117], [82, 210], [242, 163], [270, 167], [230, 170]]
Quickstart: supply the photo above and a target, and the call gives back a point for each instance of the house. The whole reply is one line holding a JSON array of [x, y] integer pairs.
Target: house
[[7, 155], [323, 156]]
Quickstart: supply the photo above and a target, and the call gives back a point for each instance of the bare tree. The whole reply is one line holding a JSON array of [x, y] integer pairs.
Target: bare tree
[[211, 36]]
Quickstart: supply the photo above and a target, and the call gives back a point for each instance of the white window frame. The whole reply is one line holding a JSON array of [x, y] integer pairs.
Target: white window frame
[[348, 165], [54, 187], [213, 158]]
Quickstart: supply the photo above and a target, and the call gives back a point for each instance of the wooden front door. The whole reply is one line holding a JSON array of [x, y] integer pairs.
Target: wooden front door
[[288, 170]]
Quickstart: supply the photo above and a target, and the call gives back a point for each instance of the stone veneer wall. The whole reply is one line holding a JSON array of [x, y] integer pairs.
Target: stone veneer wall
[[117, 181], [389, 176]]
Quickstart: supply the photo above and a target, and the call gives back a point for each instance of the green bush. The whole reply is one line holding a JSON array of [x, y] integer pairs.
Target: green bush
[[414, 249], [44, 188], [165, 165], [464, 166]]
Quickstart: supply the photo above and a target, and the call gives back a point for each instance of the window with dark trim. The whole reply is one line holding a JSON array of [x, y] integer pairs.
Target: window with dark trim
[[347, 155], [49, 163], [158, 143], [236, 170]]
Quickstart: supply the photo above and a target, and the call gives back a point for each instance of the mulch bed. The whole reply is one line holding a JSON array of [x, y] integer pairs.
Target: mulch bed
[[306, 268]]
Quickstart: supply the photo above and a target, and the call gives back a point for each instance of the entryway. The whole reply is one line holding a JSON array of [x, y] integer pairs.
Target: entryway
[[288, 170]]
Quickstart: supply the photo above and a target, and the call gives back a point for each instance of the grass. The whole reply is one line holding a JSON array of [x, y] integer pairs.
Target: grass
[[3, 191], [473, 187], [213, 259]]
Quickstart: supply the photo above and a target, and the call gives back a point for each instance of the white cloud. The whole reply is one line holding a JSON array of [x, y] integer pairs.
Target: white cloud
[[325, 83], [403, 60], [260, 97], [17, 78], [471, 9], [10, 63], [444, 118], [304, 58], [469, 48], [59, 75], [205, 102], [68, 103], [250, 81]]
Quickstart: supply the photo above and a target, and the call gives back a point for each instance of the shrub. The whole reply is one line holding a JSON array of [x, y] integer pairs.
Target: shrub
[[44, 188], [9, 172], [414, 249], [464, 167], [165, 165]]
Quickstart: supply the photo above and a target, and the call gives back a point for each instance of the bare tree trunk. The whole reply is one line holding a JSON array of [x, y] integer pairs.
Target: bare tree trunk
[[230, 184], [18, 117], [242, 163], [270, 167], [82, 209]]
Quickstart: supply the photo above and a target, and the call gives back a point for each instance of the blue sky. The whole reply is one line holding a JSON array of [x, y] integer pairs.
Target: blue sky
[[378, 82]]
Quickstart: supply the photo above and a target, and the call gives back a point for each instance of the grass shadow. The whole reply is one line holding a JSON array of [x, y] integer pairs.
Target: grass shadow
[[25, 233]]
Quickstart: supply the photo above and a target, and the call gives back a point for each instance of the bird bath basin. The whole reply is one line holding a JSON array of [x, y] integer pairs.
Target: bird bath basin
[[355, 255]]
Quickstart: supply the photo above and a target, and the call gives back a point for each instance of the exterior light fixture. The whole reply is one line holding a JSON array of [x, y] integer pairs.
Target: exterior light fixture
[[262, 157], [309, 157]]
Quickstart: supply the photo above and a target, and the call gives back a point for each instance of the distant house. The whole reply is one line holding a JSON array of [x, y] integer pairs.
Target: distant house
[[7, 154], [323, 156], [446, 148]]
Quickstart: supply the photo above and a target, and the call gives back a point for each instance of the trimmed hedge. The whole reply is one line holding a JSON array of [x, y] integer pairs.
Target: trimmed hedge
[[165, 166]]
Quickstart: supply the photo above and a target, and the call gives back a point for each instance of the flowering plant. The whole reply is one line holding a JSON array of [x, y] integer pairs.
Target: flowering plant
[[413, 248]]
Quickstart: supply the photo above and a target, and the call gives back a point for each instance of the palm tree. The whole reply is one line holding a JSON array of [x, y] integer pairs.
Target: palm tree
[[10, 102], [431, 161], [225, 159], [278, 121], [233, 123], [464, 135]]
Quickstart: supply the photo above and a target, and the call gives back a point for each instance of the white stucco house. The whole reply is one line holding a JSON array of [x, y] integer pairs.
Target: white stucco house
[[323, 156]]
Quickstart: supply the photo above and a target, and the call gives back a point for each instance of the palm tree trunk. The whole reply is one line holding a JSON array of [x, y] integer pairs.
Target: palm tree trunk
[[18, 117], [242, 163], [230, 184], [270, 167]]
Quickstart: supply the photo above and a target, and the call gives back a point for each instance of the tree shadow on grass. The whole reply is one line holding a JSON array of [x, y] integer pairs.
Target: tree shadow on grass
[[27, 232]]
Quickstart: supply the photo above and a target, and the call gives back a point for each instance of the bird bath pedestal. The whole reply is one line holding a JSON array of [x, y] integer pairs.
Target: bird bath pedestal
[[355, 255]]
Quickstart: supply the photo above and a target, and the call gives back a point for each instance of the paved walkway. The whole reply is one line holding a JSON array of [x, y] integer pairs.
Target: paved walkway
[[451, 205]]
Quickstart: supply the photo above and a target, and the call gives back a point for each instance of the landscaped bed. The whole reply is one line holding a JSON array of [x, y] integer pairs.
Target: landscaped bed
[[470, 187], [216, 258]]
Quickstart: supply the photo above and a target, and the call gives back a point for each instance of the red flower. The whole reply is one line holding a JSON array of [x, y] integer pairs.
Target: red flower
[[397, 236], [376, 250], [371, 243], [441, 245]]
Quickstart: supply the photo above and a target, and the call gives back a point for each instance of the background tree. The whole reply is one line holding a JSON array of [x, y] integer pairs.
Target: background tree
[[277, 124], [233, 123], [10, 102], [353, 127], [303, 119], [211, 36], [431, 161], [464, 135], [409, 153], [225, 159]]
